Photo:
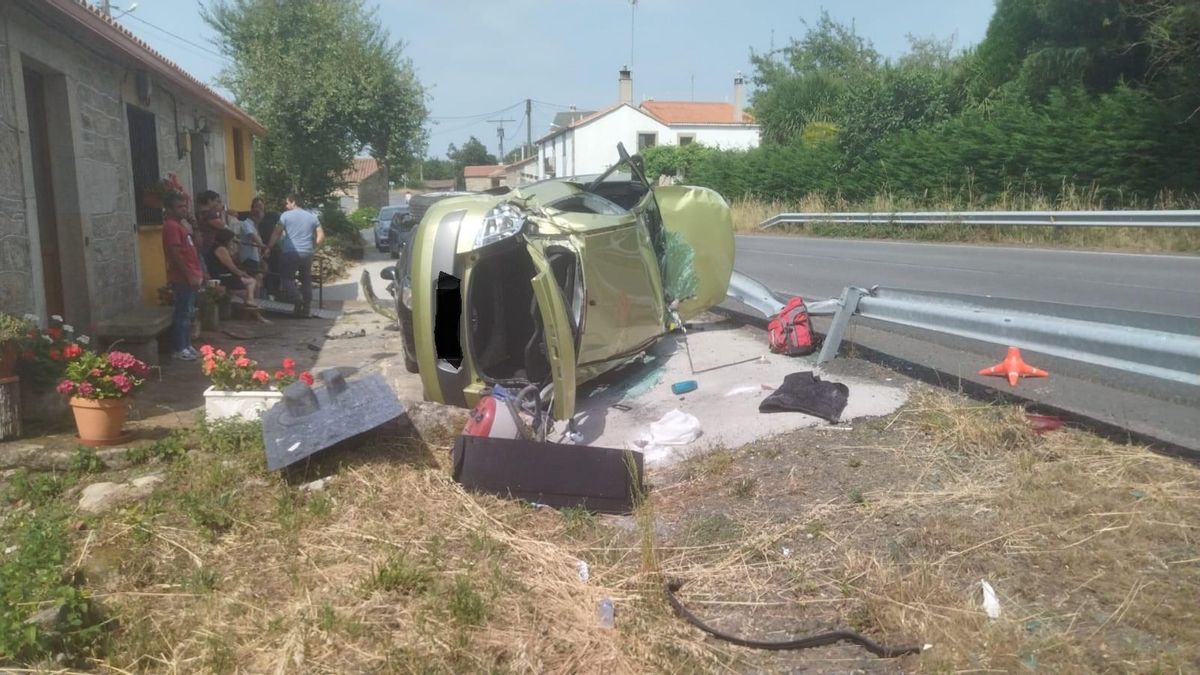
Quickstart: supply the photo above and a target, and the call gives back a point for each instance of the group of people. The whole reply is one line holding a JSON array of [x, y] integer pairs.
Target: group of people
[[211, 246]]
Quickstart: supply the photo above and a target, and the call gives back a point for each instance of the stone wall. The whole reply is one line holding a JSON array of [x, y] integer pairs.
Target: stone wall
[[16, 264], [373, 191]]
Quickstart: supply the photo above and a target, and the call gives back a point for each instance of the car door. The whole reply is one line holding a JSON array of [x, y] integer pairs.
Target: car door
[[558, 333], [696, 245]]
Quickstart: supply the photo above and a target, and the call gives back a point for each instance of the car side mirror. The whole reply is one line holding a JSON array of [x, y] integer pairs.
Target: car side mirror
[[388, 273]]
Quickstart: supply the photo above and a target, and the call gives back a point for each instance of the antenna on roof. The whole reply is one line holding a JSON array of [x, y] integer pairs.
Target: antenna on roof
[[500, 134]]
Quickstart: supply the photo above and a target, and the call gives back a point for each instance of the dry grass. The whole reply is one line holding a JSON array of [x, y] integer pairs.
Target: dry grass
[[749, 214], [1091, 546], [393, 568]]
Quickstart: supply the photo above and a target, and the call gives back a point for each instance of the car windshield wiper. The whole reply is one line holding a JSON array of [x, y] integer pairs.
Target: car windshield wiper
[[637, 168]]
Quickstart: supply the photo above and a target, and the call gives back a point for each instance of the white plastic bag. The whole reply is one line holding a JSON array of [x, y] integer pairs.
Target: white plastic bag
[[674, 429], [991, 603]]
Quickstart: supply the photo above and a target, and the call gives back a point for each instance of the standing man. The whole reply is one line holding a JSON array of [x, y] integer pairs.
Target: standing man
[[301, 233], [251, 247], [184, 274]]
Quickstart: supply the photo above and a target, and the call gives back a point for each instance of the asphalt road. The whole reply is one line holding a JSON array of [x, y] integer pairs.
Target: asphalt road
[[819, 268]]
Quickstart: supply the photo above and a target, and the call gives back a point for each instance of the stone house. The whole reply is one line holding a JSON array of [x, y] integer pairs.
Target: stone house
[[366, 186], [90, 119], [483, 177]]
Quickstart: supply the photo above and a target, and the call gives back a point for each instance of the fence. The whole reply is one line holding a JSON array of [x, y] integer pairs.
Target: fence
[[1181, 218]]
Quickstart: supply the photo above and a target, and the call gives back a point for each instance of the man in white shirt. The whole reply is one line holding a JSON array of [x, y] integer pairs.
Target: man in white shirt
[[252, 249]]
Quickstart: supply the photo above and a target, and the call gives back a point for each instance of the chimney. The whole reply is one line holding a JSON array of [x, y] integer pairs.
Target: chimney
[[739, 101], [625, 86]]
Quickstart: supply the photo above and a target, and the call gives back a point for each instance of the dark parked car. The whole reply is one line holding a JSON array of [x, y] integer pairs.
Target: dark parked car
[[383, 224]]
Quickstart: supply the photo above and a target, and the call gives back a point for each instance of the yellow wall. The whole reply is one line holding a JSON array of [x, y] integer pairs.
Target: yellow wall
[[154, 265], [238, 192]]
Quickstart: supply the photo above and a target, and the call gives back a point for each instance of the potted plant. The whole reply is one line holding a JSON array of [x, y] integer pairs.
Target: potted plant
[[153, 195], [240, 388], [98, 384], [41, 364], [12, 330]]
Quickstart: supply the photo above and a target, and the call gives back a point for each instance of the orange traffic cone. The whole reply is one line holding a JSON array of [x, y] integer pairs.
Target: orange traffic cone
[[1014, 367]]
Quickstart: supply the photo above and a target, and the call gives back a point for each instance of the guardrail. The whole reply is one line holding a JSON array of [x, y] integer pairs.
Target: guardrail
[[1155, 345], [1180, 218]]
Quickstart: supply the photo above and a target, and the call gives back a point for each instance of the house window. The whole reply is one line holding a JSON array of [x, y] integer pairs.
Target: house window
[[647, 140], [143, 152], [239, 155], [687, 139]]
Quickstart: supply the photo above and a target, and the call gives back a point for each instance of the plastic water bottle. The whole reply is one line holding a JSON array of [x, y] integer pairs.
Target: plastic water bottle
[[605, 613]]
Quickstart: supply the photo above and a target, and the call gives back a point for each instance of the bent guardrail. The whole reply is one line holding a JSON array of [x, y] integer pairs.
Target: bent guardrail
[[1155, 345], [1164, 218]]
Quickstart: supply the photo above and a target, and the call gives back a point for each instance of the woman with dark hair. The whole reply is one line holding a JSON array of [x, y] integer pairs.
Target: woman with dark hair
[[222, 265]]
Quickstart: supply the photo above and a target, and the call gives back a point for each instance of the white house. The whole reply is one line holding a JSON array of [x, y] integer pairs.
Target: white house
[[587, 144]]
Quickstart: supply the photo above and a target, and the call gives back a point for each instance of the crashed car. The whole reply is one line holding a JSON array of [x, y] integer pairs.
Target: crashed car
[[556, 282]]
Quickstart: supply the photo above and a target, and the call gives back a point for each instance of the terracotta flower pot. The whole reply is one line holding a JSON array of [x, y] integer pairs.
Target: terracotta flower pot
[[99, 421]]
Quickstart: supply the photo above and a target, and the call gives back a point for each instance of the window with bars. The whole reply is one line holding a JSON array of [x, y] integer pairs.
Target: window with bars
[[143, 153]]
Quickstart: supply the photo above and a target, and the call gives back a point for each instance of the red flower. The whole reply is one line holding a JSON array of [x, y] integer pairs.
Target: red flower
[[238, 351], [307, 378], [243, 362], [72, 351], [54, 332], [220, 354], [261, 376], [289, 364], [279, 374], [54, 354]]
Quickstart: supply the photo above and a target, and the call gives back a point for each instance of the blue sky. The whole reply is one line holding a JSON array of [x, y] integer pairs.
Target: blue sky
[[478, 57]]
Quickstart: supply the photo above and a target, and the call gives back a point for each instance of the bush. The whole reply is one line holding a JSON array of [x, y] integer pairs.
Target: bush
[[364, 217]]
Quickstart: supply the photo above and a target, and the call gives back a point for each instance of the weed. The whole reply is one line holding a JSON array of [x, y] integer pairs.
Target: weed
[[710, 464], [578, 519], [35, 489], [164, 449], [714, 529], [85, 461], [400, 573], [219, 656], [856, 497], [814, 528], [202, 580], [210, 512], [485, 546], [327, 618], [231, 436], [745, 487], [320, 505], [854, 462], [465, 604]]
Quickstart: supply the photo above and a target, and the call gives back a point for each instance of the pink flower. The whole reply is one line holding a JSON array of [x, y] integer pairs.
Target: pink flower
[[206, 350], [86, 389], [95, 372], [123, 383], [307, 378], [71, 351], [289, 364], [65, 387], [238, 351], [261, 376], [124, 361], [243, 362]]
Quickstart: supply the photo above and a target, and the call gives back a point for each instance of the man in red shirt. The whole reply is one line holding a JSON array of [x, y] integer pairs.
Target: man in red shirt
[[184, 274]]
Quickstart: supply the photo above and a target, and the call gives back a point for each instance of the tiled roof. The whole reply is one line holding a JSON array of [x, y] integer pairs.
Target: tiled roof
[[362, 168], [694, 112], [108, 32], [481, 170]]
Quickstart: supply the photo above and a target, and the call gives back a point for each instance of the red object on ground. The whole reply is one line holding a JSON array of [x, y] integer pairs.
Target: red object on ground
[[1043, 423], [1013, 367], [481, 418], [789, 332]]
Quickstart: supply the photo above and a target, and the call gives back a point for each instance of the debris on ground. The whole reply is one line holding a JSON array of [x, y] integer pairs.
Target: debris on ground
[[1013, 367], [806, 393]]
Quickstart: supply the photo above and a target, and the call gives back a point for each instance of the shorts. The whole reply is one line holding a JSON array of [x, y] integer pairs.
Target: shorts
[[231, 281], [250, 267]]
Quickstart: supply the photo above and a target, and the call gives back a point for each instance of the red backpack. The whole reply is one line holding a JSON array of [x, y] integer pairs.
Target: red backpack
[[789, 332]]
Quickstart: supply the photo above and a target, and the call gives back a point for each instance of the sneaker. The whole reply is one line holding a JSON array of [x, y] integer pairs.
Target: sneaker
[[185, 355], [192, 350]]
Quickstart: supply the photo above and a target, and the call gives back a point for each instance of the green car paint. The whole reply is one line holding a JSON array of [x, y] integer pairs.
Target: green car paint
[[628, 279]]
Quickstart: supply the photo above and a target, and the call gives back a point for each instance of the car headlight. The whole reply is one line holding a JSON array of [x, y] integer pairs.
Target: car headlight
[[502, 222]]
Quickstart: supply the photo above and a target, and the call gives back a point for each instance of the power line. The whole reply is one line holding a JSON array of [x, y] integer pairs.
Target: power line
[[471, 117], [182, 39]]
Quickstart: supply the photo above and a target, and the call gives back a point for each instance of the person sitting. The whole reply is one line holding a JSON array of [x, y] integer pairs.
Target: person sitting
[[219, 258], [252, 248]]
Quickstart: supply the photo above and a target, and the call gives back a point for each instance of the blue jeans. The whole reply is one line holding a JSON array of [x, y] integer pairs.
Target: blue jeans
[[181, 319]]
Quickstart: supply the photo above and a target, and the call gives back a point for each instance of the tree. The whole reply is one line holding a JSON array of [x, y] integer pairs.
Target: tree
[[327, 83], [472, 153]]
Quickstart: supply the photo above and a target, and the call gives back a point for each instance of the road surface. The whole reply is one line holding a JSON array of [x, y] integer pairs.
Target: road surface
[[820, 268]]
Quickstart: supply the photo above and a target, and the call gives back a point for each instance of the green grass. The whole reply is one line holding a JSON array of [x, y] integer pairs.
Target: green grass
[[401, 573], [465, 604]]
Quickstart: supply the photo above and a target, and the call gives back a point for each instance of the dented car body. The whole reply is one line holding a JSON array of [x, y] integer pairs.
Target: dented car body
[[556, 282]]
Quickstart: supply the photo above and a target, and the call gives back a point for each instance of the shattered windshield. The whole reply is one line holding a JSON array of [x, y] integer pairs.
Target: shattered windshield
[[586, 202]]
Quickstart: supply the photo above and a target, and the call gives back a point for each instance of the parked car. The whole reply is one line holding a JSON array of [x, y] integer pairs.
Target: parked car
[[383, 224], [556, 282]]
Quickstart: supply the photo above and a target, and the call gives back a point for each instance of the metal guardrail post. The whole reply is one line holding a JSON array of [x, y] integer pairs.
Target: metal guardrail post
[[837, 329]]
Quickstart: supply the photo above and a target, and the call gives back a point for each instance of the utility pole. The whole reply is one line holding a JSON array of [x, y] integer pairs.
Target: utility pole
[[528, 126], [104, 7], [500, 134]]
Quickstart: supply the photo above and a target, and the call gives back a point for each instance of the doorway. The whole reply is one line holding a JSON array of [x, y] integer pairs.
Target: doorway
[[199, 165], [43, 186]]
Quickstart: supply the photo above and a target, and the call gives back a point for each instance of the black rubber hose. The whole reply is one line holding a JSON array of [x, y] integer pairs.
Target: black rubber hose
[[819, 640]]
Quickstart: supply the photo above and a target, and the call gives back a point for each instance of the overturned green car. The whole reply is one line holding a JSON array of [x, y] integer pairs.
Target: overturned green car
[[556, 282]]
